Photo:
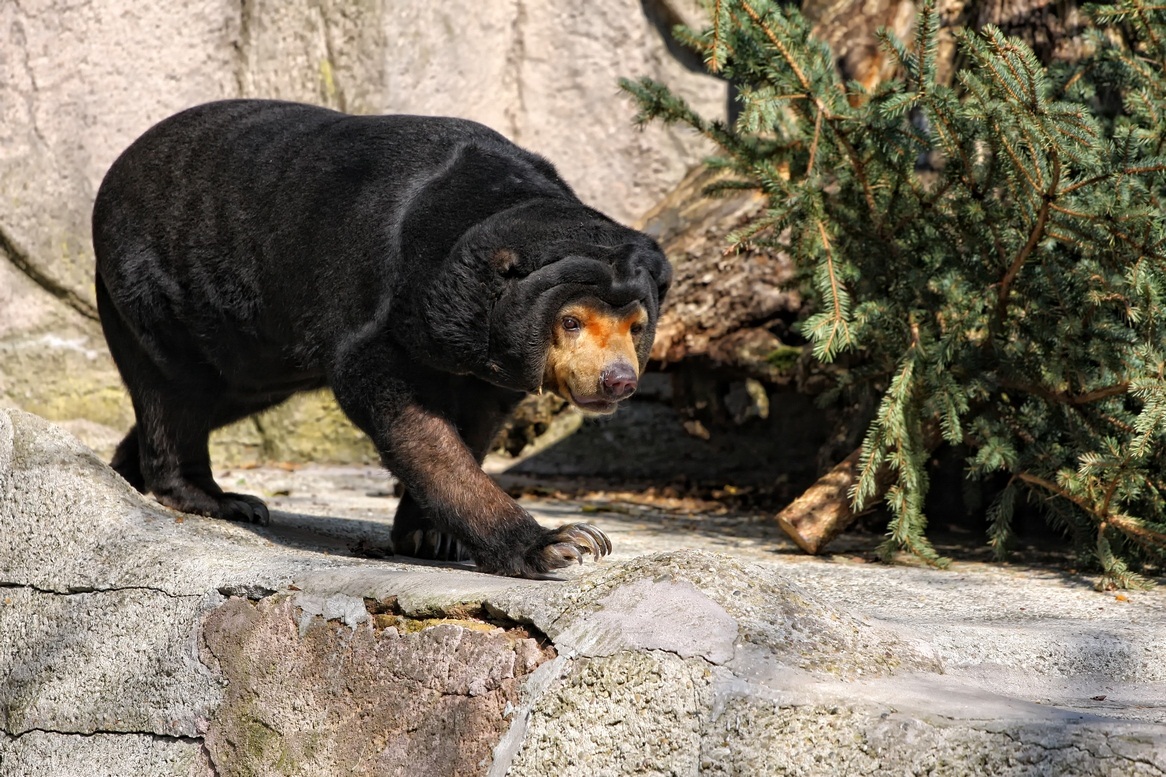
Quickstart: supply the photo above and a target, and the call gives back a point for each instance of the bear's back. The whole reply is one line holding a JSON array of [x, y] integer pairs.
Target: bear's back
[[276, 221]]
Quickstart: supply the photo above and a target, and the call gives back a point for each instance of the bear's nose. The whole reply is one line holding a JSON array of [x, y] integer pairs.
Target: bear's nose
[[618, 381]]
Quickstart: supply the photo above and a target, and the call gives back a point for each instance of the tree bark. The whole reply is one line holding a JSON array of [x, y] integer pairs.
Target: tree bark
[[728, 308], [823, 511]]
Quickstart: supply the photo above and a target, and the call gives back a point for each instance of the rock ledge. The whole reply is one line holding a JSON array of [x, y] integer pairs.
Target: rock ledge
[[136, 640]]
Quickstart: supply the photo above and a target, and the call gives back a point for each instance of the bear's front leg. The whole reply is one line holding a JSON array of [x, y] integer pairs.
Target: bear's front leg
[[420, 443], [443, 476]]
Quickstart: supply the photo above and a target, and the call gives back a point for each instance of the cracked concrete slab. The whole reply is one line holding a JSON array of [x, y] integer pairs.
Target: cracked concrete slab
[[124, 660], [131, 634]]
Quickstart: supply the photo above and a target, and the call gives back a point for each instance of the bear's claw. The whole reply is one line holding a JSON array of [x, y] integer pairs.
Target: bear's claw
[[559, 548], [594, 541], [245, 508], [432, 544], [570, 543]]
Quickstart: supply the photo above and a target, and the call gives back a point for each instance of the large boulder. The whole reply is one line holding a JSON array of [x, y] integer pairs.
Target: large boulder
[[136, 640], [79, 82]]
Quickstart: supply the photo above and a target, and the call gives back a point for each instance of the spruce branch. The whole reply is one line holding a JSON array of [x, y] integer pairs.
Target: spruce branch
[[838, 338], [1010, 294], [794, 67], [1034, 237], [1000, 520], [1140, 9]]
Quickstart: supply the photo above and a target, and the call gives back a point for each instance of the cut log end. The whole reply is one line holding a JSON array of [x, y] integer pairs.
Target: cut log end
[[823, 511]]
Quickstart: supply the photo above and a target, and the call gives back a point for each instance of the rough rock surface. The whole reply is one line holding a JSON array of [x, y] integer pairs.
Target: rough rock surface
[[79, 81], [136, 640]]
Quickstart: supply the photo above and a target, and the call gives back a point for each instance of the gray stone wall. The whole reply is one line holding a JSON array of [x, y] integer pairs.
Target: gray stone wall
[[79, 81]]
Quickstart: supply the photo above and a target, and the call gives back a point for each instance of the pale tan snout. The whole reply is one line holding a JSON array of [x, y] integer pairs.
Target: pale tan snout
[[592, 361]]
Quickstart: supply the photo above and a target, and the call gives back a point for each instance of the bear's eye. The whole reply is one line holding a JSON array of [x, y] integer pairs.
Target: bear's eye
[[637, 328], [570, 324]]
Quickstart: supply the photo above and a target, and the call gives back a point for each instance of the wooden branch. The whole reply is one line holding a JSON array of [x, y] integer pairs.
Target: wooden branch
[[814, 145], [1065, 397], [1034, 237], [714, 64], [823, 511], [1101, 393], [1139, 170], [1124, 523]]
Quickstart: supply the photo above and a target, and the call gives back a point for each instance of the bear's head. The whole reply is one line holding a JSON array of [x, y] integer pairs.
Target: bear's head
[[547, 294], [594, 356], [581, 323]]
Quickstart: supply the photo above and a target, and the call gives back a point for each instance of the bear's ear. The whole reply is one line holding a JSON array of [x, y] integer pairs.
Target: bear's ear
[[637, 259], [504, 261], [663, 276]]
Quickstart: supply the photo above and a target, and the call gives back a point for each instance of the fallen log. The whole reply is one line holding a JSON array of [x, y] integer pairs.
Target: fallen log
[[823, 511]]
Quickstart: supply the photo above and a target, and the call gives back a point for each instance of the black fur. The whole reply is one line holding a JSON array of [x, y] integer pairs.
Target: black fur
[[247, 250]]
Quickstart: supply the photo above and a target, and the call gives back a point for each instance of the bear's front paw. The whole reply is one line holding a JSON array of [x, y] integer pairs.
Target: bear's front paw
[[571, 541], [564, 546], [431, 544]]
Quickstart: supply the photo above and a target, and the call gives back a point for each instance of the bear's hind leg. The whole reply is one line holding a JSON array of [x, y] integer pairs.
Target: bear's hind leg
[[166, 451], [172, 436], [127, 461]]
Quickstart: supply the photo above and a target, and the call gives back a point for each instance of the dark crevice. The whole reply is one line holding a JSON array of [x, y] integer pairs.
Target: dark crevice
[[515, 58], [337, 92], [483, 612], [210, 760], [83, 589], [664, 18], [21, 261], [1019, 739], [97, 732], [242, 47]]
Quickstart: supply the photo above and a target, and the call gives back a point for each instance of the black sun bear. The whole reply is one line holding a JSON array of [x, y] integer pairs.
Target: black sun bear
[[427, 270]]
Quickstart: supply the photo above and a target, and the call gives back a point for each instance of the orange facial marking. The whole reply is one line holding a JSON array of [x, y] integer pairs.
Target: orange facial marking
[[578, 357], [603, 326]]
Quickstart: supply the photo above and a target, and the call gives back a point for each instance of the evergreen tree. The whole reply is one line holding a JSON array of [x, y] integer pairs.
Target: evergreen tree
[[993, 253]]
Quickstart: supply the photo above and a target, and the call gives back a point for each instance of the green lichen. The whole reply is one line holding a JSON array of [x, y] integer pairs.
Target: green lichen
[[63, 374], [308, 427], [260, 742], [784, 357]]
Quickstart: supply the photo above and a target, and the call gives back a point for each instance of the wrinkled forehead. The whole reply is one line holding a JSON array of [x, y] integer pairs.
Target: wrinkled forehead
[[592, 306], [615, 274]]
